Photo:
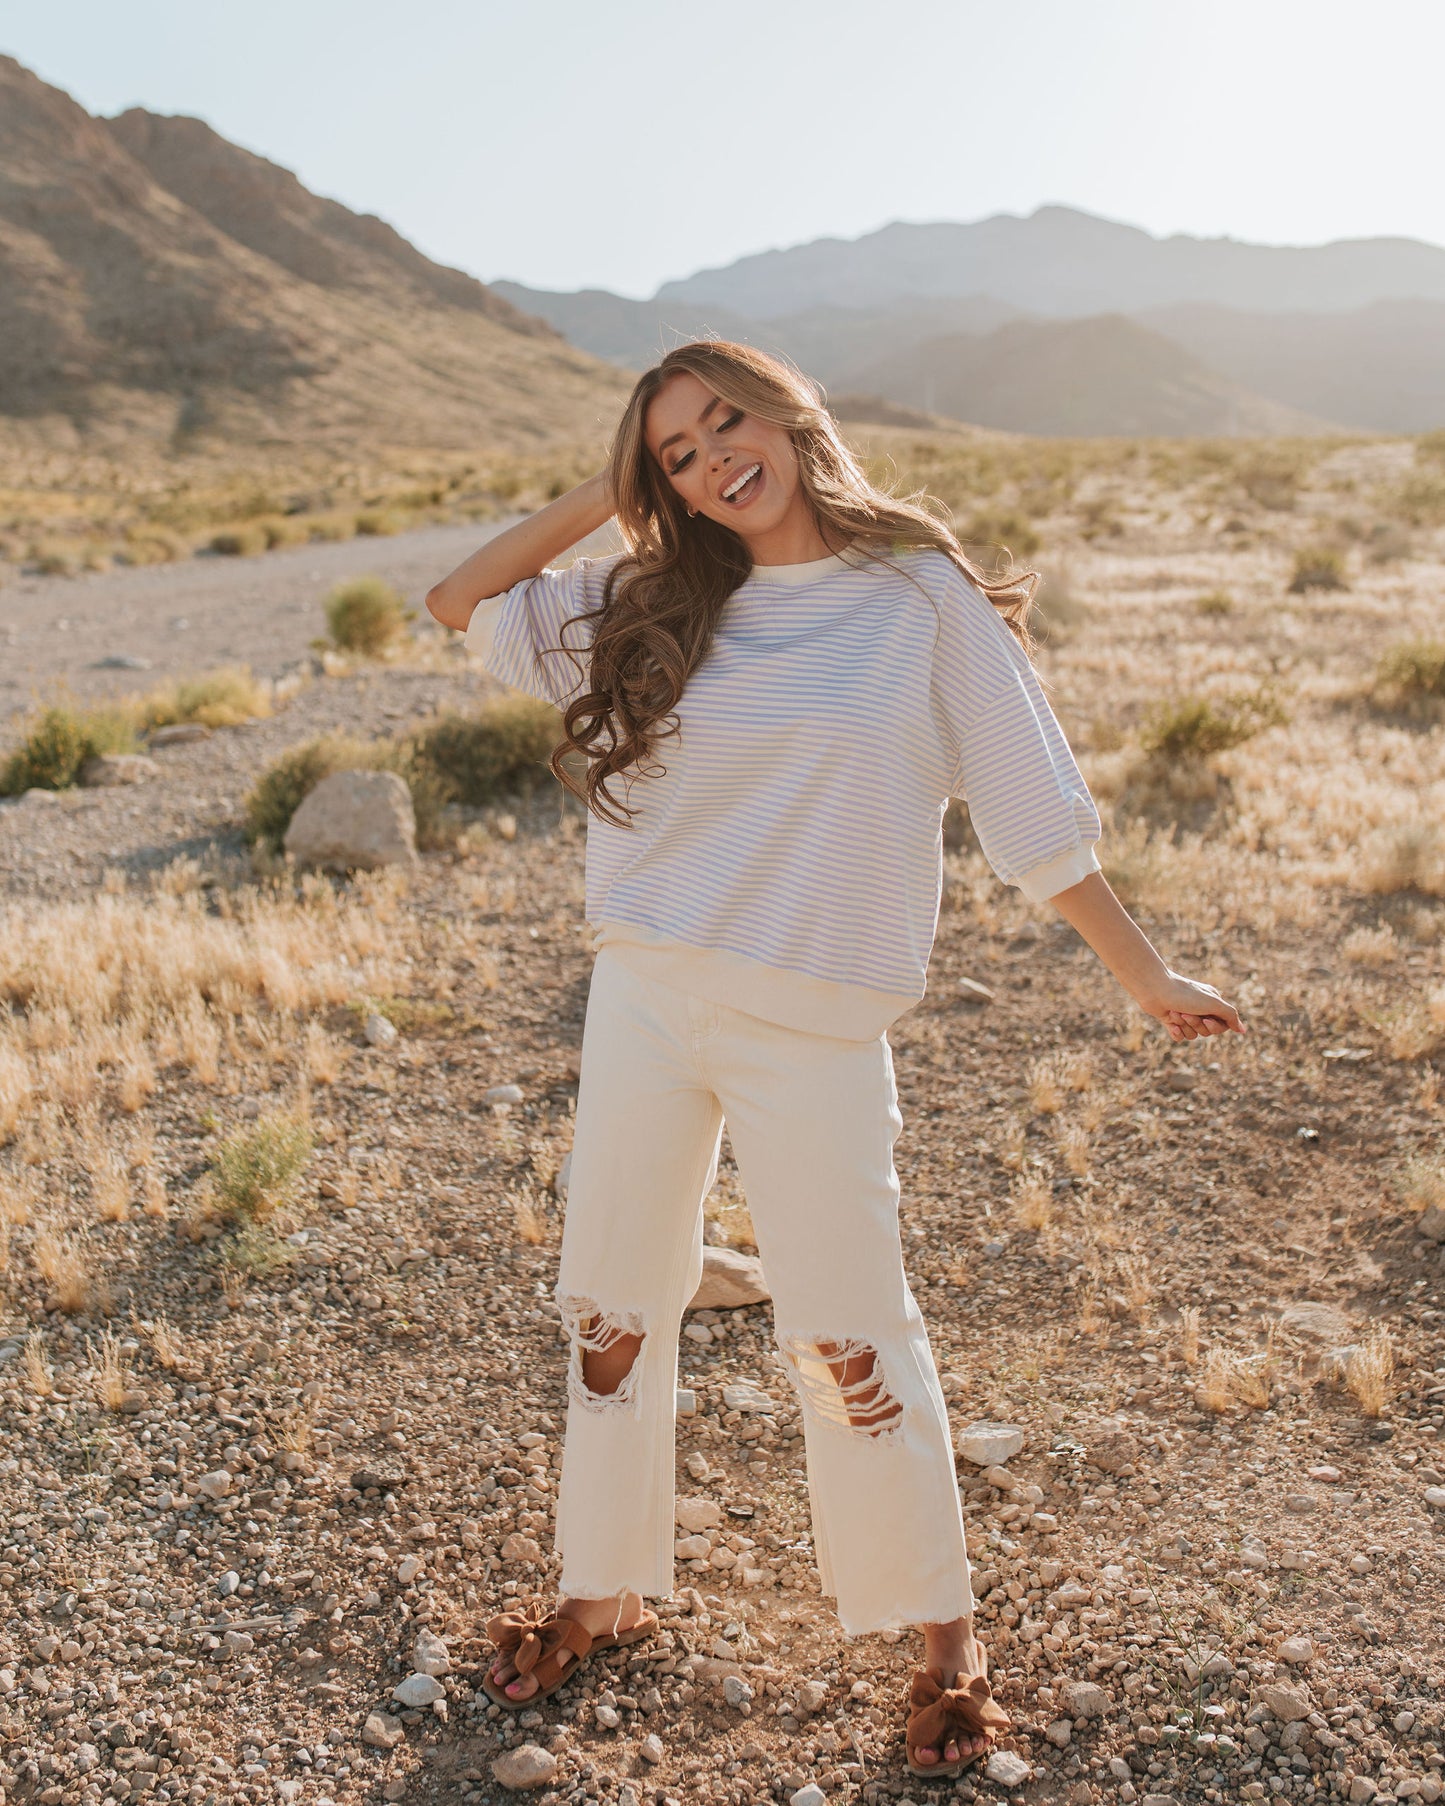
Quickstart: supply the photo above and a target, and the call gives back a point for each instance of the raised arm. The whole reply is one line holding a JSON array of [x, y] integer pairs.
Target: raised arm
[[1187, 1008], [520, 551]]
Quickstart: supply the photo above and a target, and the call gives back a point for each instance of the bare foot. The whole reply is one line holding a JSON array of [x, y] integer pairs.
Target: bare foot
[[599, 1617], [952, 1654]]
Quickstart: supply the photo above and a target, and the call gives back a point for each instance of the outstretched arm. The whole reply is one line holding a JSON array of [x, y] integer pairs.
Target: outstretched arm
[[520, 551], [1187, 1009]]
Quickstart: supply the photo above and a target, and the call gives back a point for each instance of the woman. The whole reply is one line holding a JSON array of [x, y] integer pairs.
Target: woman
[[776, 688]]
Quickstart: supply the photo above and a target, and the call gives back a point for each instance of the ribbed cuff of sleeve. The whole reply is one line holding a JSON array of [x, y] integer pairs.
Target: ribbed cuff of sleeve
[[1044, 881], [483, 625]]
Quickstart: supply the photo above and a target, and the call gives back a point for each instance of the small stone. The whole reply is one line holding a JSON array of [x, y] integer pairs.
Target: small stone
[[527, 1766], [122, 661], [1112, 1452], [87, 1757], [1084, 1699], [1253, 1554], [972, 993], [736, 1691], [408, 1568], [699, 1333], [1060, 1732], [1288, 1704], [1435, 1497], [431, 1655], [1327, 1476], [811, 1795], [381, 1731], [418, 1691], [730, 1280], [238, 1642], [651, 1749], [108, 769], [395, 1789], [686, 1402], [229, 1583], [179, 733], [563, 1181], [1007, 1769], [692, 1548], [379, 1031], [504, 1094], [516, 1547], [1432, 1224], [1299, 1652], [216, 1485], [1301, 1503], [989, 1444], [747, 1397], [698, 1514], [812, 1696], [1316, 1322], [608, 1717], [999, 1478], [1362, 1791]]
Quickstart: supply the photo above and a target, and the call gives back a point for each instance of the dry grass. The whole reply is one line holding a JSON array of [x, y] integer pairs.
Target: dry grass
[[63, 1263], [1076, 1147], [112, 1383], [1370, 1370], [1045, 1085], [1188, 1335], [1032, 1199], [38, 1371], [165, 1344], [531, 1224]]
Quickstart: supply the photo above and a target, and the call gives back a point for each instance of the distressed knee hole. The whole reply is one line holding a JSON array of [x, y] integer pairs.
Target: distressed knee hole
[[843, 1384], [606, 1346]]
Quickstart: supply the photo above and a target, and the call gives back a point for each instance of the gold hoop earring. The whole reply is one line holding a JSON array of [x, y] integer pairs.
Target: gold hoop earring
[[692, 513]]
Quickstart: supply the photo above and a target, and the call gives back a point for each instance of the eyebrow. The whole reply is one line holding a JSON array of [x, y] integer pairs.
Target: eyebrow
[[673, 437]]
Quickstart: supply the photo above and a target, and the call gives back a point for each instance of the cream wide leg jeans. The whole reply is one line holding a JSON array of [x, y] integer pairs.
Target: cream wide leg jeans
[[813, 1119]]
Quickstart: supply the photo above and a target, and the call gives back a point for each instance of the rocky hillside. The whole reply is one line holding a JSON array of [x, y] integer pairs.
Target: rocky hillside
[[158, 281]]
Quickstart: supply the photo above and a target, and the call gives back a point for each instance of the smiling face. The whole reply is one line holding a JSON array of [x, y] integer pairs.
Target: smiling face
[[733, 468]]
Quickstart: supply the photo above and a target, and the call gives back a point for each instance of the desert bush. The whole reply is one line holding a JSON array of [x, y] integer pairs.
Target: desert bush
[[1214, 602], [478, 757], [379, 523], [151, 545], [279, 791], [221, 698], [1004, 536], [327, 528], [1193, 727], [283, 530], [245, 541], [1410, 678], [367, 615], [1271, 478], [256, 1167], [1386, 542], [1420, 498], [1317, 567], [59, 741]]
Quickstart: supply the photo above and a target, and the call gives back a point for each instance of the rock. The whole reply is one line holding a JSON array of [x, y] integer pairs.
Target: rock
[[747, 1397], [431, 1655], [1060, 1732], [394, 1789], [381, 1731], [238, 1642], [1335, 1363], [354, 820], [811, 1795], [1301, 1503], [384, 1479], [408, 1568], [989, 1444], [1288, 1704], [1362, 1791], [1007, 1769], [108, 769], [698, 1514], [1432, 1224], [564, 1177], [736, 1691], [972, 993], [526, 1766], [87, 1757], [1083, 1699], [608, 1717], [1299, 1652], [692, 1548], [999, 1478], [1435, 1497], [379, 1031], [179, 733], [1315, 1322], [812, 1697], [516, 1547], [418, 1691], [504, 1094], [1253, 1553], [121, 661], [729, 1280], [1112, 1452], [229, 1583], [651, 1749], [214, 1485]]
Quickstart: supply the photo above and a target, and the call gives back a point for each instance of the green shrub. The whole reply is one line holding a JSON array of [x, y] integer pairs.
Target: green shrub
[[256, 1167], [278, 793], [1005, 536], [379, 523], [55, 561], [151, 545], [1317, 567], [1192, 727], [1420, 499], [59, 741], [239, 542], [283, 530], [326, 528], [477, 757], [1386, 542], [1214, 602], [367, 615], [1411, 677], [221, 698]]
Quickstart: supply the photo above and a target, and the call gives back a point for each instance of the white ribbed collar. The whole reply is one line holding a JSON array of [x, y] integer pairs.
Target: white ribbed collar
[[792, 575]]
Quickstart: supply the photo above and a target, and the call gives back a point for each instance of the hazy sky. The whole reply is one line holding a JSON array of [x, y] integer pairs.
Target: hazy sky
[[617, 143]]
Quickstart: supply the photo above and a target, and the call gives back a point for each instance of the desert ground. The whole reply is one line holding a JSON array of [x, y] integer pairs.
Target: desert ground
[[272, 1450]]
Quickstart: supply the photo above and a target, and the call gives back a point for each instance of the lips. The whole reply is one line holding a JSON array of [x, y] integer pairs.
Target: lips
[[751, 484]]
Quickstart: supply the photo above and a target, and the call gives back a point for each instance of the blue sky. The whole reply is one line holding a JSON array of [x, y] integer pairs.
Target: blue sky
[[617, 143]]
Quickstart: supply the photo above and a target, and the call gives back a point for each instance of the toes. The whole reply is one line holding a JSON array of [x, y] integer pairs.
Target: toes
[[925, 1756], [951, 1752], [523, 1687]]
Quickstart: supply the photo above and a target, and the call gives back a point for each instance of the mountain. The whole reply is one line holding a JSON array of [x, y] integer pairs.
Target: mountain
[[1061, 262], [1381, 367], [1103, 375], [156, 280]]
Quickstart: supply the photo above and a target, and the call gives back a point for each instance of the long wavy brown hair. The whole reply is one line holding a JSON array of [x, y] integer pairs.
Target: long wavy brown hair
[[664, 596]]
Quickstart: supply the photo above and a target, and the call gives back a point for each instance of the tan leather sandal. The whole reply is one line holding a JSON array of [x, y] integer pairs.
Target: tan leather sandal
[[942, 1715], [539, 1642]]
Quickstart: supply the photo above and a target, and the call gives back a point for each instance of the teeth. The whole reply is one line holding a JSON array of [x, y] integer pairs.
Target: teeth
[[738, 482]]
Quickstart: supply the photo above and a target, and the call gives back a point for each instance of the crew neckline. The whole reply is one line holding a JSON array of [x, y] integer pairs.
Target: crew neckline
[[811, 568]]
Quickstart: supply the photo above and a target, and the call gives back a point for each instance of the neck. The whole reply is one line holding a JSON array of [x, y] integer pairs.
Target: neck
[[796, 539]]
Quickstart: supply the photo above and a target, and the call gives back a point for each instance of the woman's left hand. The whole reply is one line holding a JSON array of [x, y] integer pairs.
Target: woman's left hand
[[1189, 1009]]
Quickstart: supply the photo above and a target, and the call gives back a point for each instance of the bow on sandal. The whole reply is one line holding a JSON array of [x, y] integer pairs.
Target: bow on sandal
[[943, 1715], [539, 1642]]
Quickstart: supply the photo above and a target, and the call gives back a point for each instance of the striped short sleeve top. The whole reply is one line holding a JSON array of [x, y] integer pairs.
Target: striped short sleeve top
[[789, 861]]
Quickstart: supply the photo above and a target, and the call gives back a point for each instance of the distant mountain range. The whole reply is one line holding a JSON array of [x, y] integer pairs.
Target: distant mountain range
[[157, 281], [1066, 323]]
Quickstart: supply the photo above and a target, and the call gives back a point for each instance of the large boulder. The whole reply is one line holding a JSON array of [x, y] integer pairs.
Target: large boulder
[[354, 820], [729, 1279]]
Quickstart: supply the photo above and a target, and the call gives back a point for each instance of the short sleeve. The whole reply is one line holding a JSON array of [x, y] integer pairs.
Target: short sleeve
[[523, 638], [1027, 799]]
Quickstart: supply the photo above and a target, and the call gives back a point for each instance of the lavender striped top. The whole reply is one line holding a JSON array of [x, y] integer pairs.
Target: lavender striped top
[[790, 861]]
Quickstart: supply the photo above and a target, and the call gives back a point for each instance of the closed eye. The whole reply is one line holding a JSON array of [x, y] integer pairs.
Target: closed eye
[[724, 427]]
